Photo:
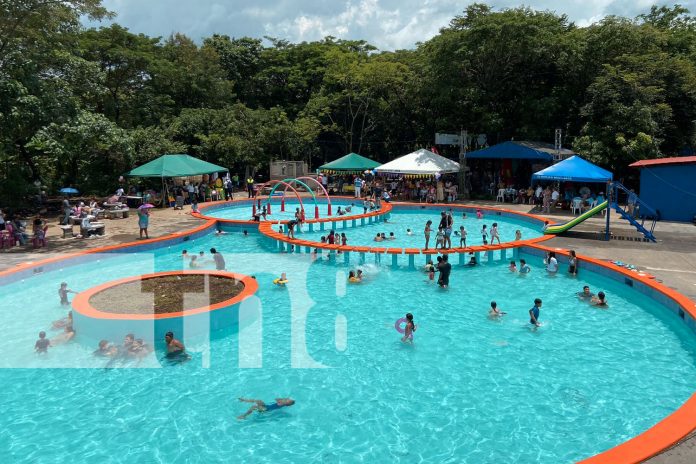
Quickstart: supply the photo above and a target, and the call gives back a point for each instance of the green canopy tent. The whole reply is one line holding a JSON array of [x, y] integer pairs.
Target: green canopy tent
[[174, 166], [352, 163]]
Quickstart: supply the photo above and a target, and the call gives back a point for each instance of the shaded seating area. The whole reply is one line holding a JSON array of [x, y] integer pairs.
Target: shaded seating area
[[577, 170], [343, 170]]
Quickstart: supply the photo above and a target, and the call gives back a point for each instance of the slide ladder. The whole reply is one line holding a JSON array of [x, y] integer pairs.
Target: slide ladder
[[643, 217]]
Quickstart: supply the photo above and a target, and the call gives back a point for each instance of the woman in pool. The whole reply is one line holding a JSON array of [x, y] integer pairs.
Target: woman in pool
[[551, 263], [260, 406], [427, 231], [573, 263], [409, 329]]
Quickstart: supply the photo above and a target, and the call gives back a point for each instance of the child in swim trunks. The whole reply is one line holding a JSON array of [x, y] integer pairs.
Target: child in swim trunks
[[63, 293]]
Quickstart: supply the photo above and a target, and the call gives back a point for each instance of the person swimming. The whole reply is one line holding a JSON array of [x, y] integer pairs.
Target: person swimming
[[585, 294], [352, 278], [512, 267], [409, 232], [599, 300], [494, 311], [261, 407], [105, 349]]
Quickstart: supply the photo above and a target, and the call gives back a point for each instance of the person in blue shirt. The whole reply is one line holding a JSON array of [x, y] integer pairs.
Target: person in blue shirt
[[260, 406], [534, 313]]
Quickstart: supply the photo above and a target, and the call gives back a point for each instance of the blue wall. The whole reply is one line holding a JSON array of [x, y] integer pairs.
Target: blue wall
[[671, 189]]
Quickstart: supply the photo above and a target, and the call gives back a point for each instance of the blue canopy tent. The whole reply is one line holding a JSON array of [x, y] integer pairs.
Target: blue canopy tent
[[533, 151], [574, 169]]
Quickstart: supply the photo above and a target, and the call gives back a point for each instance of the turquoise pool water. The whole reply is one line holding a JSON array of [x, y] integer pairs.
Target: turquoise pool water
[[401, 220], [241, 211], [468, 390]]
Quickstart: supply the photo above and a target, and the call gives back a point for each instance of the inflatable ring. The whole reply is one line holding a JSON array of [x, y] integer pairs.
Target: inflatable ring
[[280, 281], [397, 326], [354, 280]]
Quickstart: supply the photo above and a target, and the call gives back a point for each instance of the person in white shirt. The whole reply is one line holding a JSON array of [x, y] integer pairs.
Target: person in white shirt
[[554, 199], [551, 263]]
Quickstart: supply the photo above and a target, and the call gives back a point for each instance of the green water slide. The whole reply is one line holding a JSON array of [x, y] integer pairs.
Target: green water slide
[[560, 228]]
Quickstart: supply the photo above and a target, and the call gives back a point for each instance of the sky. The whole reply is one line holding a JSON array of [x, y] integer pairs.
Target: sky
[[387, 24]]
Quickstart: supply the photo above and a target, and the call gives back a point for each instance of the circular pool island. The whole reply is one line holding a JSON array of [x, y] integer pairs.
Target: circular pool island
[[190, 303]]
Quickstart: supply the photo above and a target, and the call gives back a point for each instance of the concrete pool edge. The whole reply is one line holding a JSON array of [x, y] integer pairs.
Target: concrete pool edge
[[658, 438]]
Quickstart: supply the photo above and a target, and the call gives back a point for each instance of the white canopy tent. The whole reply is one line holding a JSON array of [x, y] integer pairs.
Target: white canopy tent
[[420, 162]]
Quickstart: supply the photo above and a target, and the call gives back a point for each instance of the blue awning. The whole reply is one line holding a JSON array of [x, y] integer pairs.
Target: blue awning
[[534, 151], [574, 169]]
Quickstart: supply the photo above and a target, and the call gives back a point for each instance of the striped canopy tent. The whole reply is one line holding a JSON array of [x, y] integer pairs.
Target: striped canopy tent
[[352, 163]]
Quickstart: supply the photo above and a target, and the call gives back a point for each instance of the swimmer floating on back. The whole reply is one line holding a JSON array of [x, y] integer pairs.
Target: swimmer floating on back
[[260, 406]]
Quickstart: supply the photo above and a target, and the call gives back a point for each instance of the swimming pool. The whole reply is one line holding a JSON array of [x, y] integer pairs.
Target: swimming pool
[[469, 390], [242, 210], [402, 220]]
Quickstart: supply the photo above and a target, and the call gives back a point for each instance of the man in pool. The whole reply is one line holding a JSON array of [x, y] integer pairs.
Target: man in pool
[[585, 294], [219, 259], [260, 406], [174, 346]]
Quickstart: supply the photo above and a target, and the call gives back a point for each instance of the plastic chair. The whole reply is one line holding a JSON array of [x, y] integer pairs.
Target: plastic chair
[[576, 206], [501, 196]]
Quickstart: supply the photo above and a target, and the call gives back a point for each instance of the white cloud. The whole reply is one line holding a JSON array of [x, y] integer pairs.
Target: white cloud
[[388, 24]]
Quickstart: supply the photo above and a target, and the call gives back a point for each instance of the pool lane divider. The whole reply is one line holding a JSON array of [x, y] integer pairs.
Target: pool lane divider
[[653, 441]]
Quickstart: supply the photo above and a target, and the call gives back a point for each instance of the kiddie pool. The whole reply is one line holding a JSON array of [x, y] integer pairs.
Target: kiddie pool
[[469, 390]]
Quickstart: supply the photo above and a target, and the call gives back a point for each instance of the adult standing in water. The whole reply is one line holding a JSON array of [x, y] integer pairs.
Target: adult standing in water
[[445, 269], [219, 259]]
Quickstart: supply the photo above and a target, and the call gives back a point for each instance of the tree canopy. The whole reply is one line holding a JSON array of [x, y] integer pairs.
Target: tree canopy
[[83, 105]]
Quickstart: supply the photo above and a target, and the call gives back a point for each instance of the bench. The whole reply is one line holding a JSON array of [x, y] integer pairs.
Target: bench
[[95, 227], [67, 231], [117, 213]]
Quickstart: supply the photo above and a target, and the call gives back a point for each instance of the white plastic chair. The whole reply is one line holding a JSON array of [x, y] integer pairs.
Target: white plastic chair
[[576, 206], [501, 196]]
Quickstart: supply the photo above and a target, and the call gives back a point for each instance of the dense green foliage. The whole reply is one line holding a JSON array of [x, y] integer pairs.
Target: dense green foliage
[[81, 106]]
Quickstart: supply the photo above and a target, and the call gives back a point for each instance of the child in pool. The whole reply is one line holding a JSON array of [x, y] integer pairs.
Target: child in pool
[[409, 232], [518, 235], [494, 233], [512, 267], [282, 280], [42, 344], [439, 239], [494, 311], [479, 214], [484, 234], [462, 236], [63, 293], [599, 300], [409, 329]]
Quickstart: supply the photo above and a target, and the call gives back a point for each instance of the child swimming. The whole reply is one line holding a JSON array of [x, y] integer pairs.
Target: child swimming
[[494, 311]]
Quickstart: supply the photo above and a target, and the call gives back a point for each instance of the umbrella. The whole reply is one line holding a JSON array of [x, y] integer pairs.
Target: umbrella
[[146, 206], [69, 190]]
